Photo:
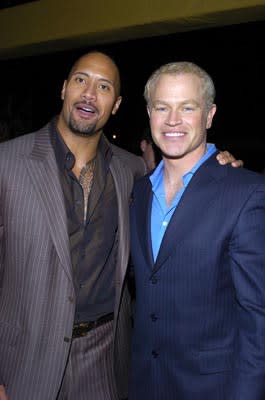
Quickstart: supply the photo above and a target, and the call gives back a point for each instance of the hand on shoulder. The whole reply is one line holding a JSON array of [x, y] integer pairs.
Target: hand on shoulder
[[224, 157]]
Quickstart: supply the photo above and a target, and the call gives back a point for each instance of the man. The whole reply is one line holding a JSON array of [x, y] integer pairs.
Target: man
[[64, 251], [64, 304], [198, 250], [148, 151]]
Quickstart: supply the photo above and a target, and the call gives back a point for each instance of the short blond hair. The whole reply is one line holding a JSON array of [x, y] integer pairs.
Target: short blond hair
[[180, 68]]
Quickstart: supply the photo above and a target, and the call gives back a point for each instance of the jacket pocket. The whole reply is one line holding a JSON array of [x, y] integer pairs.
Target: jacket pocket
[[215, 360]]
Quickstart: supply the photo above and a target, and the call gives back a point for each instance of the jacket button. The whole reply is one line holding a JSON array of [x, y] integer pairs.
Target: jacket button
[[153, 317], [71, 299], [154, 354], [154, 280], [66, 339]]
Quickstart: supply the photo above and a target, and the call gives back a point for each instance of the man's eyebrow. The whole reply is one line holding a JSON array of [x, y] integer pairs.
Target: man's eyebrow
[[80, 73], [159, 102], [181, 103], [191, 101]]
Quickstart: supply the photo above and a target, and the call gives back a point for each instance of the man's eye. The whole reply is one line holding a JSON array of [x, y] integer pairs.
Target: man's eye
[[78, 79], [188, 109], [160, 108], [104, 87]]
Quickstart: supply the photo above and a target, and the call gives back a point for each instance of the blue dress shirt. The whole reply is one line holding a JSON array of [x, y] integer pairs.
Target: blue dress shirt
[[161, 213]]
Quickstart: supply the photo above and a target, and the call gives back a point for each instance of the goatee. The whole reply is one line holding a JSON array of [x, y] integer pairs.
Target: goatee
[[82, 129]]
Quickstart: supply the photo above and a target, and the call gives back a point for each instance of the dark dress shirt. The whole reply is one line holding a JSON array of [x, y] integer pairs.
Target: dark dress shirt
[[92, 236]]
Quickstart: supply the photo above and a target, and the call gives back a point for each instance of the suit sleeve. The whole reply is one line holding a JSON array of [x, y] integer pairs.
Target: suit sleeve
[[248, 273], [1, 263]]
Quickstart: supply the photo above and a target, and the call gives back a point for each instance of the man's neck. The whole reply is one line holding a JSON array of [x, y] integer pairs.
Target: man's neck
[[175, 169], [84, 148]]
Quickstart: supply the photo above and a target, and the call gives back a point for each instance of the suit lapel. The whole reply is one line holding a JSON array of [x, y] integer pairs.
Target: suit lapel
[[123, 181], [42, 169], [198, 194], [143, 223]]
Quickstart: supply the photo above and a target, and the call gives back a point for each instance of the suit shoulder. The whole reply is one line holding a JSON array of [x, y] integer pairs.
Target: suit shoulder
[[17, 145], [229, 173], [22, 145], [244, 175], [135, 163]]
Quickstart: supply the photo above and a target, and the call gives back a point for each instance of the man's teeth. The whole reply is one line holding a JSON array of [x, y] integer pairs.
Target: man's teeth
[[174, 134], [88, 109]]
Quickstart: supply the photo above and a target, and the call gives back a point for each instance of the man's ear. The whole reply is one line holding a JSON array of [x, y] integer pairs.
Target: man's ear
[[210, 116], [143, 144], [116, 105], [63, 90], [148, 110]]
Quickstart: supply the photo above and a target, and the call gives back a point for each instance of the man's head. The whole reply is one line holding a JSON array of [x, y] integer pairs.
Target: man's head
[[180, 106], [90, 95]]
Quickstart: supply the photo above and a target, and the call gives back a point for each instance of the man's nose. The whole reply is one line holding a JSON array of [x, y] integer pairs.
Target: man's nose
[[174, 117], [90, 91]]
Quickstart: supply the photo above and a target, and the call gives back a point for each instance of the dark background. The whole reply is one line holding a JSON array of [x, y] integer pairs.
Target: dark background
[[233, 56], [12, 3]]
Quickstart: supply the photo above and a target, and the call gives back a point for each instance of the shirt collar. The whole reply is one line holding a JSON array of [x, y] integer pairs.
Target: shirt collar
[[157, 176], [66, 159]]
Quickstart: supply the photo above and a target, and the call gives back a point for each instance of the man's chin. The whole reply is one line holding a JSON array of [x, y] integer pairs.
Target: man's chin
[[172, 156], [83, 131]]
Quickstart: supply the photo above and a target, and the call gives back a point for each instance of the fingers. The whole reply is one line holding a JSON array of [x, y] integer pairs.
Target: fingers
[[237, 163], [3, 395], [224, 157]]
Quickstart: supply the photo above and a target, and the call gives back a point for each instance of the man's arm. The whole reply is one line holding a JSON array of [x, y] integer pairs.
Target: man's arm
[[224, 157], [247, 251], [3, 395]]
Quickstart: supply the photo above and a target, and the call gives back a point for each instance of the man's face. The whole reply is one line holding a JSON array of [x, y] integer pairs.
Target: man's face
[[91, 95], [178, 116]]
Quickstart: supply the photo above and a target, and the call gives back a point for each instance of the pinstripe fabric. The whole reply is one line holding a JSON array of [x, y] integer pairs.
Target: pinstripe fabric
[[82, 380], [200, 308], [37, 299]]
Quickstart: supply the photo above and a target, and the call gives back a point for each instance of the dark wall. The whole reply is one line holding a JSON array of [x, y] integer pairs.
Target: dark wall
[[234, 57]]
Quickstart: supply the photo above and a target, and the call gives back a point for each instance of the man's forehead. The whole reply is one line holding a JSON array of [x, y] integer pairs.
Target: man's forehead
[[188, 77], [174, 83], [99, 66], [95, 63]]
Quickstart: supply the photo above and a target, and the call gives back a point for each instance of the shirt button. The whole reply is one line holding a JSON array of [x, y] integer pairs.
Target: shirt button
[[164, 223], [154, 354], [153, 317]]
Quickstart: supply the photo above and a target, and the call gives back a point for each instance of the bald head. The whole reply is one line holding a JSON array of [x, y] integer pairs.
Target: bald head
[[90, 95]]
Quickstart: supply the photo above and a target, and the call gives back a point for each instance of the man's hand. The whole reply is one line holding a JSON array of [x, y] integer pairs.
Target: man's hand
[[224, 157], [3, 395]]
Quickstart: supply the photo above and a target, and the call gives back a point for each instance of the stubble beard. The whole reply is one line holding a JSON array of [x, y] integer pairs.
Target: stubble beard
[[82, 129]]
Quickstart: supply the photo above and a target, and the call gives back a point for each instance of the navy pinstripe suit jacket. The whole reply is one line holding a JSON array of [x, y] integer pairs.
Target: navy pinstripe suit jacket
[[199, 330], [37, 298]]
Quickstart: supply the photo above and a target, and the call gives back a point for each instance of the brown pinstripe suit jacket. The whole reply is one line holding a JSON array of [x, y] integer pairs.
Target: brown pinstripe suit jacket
[[37, 298]]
